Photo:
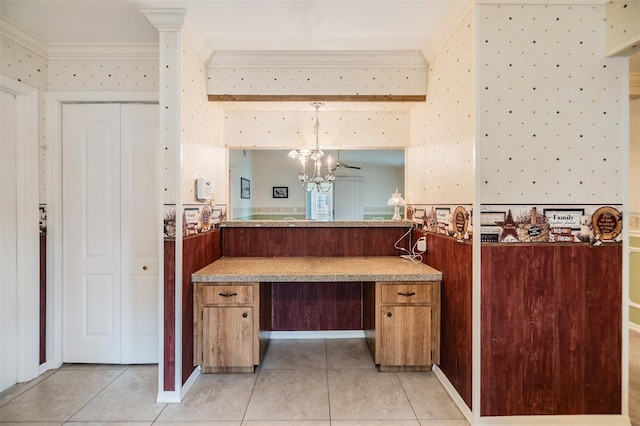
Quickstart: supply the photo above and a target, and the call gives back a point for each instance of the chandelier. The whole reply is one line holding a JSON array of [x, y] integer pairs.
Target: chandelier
[[320, 182]]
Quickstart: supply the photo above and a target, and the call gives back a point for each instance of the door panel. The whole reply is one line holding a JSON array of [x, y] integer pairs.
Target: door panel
[[111, 226], [406, 336], [140, 248], [91, 226], [228, 336]]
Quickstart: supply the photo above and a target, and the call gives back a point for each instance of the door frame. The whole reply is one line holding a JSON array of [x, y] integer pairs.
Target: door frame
[[28, 245], [54, 102]]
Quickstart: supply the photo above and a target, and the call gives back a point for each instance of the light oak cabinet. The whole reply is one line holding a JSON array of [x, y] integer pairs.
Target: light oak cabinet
[[226, 327], [402, 324]]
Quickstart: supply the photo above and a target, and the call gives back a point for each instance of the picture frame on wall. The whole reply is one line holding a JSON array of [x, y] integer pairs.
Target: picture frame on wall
[[245, 188], [280, 192]]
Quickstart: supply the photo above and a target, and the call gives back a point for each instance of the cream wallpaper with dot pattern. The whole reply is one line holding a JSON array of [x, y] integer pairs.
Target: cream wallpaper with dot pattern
[[103, 75], [623, 17], [317, 81], [201, 136], [338, 129], [22, 64], [29, 68], [440, 167], [550, 123]]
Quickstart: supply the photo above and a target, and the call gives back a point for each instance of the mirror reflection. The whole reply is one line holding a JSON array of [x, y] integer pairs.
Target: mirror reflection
[[364, 181]]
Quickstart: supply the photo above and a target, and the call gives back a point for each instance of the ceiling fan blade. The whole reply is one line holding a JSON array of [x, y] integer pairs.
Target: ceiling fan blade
[[351, 167]]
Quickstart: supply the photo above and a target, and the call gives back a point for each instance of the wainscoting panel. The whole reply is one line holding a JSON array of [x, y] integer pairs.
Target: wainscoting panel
[[551, 329]]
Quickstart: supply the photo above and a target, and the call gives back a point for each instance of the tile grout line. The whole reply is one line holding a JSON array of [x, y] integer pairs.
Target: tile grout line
[[94, 396], [326, 374], [407, 396], [253, 388], [20, 389]]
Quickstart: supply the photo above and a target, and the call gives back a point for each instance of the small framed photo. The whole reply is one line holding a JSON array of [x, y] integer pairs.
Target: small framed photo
[[245, 188], [280, 192]]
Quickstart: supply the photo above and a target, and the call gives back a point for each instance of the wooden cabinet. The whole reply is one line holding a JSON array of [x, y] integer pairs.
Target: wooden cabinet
[[402, 324], [226, 327], [232, 321]]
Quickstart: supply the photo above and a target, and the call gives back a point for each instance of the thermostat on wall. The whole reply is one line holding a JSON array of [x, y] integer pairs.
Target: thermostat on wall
[[204, 189]]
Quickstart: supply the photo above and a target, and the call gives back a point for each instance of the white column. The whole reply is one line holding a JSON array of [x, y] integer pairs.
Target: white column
[[169, 23]]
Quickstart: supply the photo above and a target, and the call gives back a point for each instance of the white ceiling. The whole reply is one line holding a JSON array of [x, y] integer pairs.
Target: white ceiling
[[241, 25]]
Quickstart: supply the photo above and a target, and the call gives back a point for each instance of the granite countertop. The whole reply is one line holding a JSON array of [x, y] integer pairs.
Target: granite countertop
[[316, 224], [309, 269]]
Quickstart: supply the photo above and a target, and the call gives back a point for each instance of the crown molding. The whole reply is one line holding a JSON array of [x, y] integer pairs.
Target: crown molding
[[197, 40], [321, 59], [444, 30], [23, 37], [79, 51], [166, 19], [132, 51]]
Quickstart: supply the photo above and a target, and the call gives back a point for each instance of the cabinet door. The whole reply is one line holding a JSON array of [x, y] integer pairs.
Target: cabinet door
[[227, 336], [405, 335]]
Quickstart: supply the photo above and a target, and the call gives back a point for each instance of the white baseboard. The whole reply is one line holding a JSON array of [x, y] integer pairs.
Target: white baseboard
[[453, 393], [176, 397], [190, 381], [634, 327], [323, 334], [579, 420], [168, 397]]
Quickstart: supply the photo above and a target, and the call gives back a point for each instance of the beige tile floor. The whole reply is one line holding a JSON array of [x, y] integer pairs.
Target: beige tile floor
[[300, 383]]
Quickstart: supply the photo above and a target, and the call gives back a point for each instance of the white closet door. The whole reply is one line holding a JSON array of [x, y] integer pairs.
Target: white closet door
[[8, 244], [111, 231], [91, 228], [348, 203], [140, 228]]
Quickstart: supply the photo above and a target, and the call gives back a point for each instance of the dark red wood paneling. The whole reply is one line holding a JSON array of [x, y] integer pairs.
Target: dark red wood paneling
[[603, 330], [454, 259], [169, 315], [317, 306], [318, 312], [570, 371], [197, 252], [277, 242], [43, 298], [551, 321]]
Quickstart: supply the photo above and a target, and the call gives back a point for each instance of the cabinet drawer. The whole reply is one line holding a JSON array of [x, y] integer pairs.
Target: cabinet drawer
[[406, 293], [227, 295]]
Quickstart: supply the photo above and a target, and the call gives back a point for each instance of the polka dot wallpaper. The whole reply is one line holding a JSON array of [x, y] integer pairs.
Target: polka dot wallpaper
[[317, 81], [27, 67], [623, 24], [201, 134], [550, 123], [338, 129], [89, 75], [440, 160], [32, 69]]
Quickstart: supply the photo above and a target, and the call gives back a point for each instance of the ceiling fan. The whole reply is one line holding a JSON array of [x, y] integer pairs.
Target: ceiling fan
[[339, 164]]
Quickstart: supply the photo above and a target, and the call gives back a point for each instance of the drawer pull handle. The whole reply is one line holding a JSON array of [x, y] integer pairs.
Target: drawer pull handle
[[228, 294], [244, 315], [413, 293], [389, 314]]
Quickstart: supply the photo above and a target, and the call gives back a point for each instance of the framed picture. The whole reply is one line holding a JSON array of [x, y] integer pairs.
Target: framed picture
[[245, 188], [280, 192], [564, 218]]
